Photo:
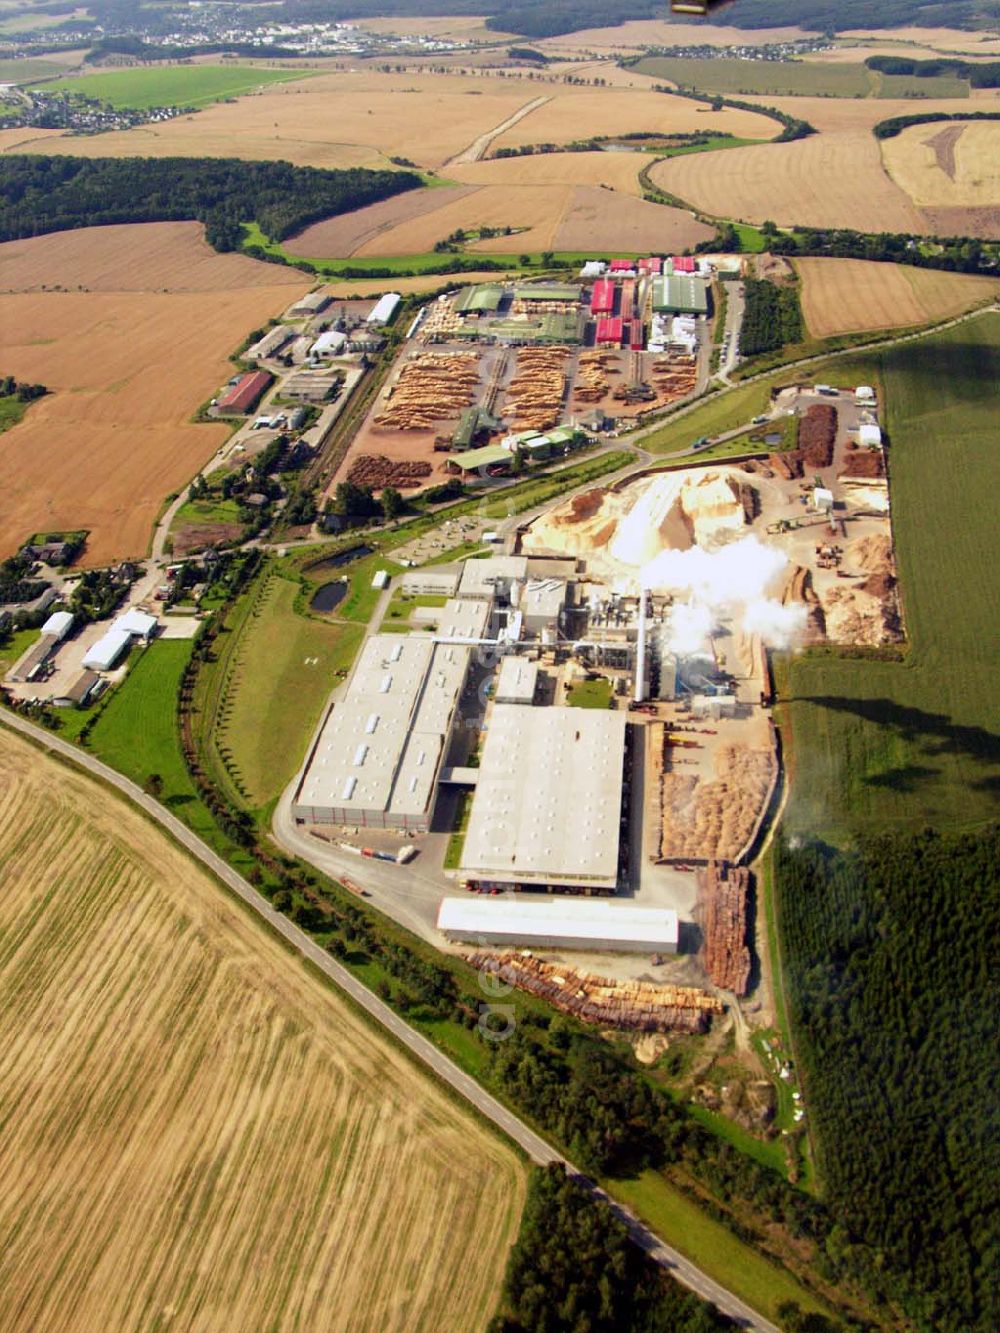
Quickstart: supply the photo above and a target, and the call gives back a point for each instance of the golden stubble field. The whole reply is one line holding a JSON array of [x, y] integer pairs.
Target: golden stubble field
[[834, 178], [853, 295], [198, 1134], [127, 369], [950, 165]]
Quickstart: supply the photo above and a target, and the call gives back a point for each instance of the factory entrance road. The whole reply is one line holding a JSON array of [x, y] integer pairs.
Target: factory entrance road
[[536, 1148]]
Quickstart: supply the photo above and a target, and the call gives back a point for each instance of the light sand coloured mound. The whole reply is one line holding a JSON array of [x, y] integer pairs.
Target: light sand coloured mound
[[853, 295], [715, 820], [198, 1132], [342, 236], [952, 165], [136, 257], [115, 435], [621, 531]]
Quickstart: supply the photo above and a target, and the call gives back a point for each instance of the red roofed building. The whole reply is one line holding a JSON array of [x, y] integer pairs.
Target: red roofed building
[[636, 336], [246, 393], [651, 265], [609, 332], [622, 266], [627, 307], [602, 302], [684, 264]]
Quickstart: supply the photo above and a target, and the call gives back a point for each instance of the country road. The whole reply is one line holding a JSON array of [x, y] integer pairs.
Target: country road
[[536, 1148], [478, 149]]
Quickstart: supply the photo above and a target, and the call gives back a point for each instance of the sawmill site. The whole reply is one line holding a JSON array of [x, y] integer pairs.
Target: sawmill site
[[485, 372]]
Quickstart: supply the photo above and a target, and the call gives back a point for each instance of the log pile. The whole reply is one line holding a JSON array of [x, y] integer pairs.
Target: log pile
[[673, 376], [715, 820], [592, 378], [376, 471], [817, 432], [636, 1006], [726, 891], [431, 386], [535, 394]]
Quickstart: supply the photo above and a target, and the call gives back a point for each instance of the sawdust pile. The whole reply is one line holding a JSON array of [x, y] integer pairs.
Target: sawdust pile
[[866, 613], [715, 820]]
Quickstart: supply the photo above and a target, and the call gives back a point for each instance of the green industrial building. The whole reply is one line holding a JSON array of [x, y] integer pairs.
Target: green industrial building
[[549, 291], [680, 294], [484, 299]]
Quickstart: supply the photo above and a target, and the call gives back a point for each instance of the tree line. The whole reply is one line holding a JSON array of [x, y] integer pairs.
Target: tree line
[[891, 969], [45, 194], [888, 129], [980, 74]]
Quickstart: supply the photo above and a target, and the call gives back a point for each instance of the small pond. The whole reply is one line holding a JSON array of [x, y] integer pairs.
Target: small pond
[[329, 596], [343, 558]]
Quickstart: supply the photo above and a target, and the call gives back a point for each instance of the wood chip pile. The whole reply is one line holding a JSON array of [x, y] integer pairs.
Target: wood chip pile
[[592, 378], [535, 395], [787, 466], [376, 471], [638, 1006], [725, 893], [817, 432], [715, 820], [867, 463], [431, 387]]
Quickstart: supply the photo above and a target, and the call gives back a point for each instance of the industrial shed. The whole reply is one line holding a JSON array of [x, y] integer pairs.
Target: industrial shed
[[103, 655], [560, 923], [517, 681], [547, 807], [680, 294], [384, 309], [246, 393]]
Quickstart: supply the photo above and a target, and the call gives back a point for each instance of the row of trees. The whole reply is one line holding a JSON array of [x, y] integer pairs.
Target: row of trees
[[888, 129], [45, 194], [890, 964], [23, 392], [772, 317], [980, 74]]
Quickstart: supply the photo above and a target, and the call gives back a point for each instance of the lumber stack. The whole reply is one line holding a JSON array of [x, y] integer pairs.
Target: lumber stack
[[376, 471], [636, 1006], [592, 376], [726, 891], [535, 394], [431, 386]]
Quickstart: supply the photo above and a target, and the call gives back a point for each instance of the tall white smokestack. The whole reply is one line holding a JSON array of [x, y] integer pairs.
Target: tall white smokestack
[[640, 657]]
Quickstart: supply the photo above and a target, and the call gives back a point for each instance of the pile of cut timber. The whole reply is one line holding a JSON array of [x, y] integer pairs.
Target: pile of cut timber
[[726, 889], [639, 1006], [376, 471], [535, 395], [431, 386], [673, 376], [715, 820], [817, 432], [592, 378]]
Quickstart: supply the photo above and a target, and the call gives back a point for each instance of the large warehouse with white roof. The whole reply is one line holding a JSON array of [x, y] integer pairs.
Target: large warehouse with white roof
[[548, 800], [559, 923]]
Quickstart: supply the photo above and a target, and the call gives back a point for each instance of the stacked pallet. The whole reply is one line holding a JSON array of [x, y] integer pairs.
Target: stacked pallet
[[535, 395], [376, 471], [431, 387], [726, 891], [636, 1006]]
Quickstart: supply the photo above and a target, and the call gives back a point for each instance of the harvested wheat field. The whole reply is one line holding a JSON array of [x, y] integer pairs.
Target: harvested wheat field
[[642, 33], [538, 209], [345, 235], [853, 295], [616, 171], [833, 178], [952, 171], [134, 257], [598, 220], [197, 1132], [26, 139], [427, 282], [115, 435]]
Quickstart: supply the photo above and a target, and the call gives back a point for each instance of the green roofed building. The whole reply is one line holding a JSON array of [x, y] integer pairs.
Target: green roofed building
[[680, 294], [549, 328], [490, 455], [548, 291], [484, 299], [473, 422]]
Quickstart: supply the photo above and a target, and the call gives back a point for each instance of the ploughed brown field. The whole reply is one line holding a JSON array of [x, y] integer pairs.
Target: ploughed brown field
[[198, 1134], [126, 368]]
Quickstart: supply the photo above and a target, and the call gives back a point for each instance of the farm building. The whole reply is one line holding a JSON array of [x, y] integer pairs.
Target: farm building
[[680, 294], [385, 307], [29, 666], [365, 339], [311, 304], [517, 681], [378, 756], [58, 625], [609, 332], [103, 655], [547, 806], [561, 923], [80, 692], [864, 395], [271, 343], [246, 393], [311, 386], [602, 299], [331, 343]]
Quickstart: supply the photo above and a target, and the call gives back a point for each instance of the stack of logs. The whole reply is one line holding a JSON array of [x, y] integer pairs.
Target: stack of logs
[[725, 892], [430, 386], [673, 377], [639, 1006], [535, 395], [592, 378], [376, 471]]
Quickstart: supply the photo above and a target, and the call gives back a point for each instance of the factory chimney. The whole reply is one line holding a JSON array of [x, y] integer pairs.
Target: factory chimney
[[640, 653]]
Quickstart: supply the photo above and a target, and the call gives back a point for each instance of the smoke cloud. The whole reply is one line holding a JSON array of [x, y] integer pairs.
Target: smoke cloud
[[733, 581]]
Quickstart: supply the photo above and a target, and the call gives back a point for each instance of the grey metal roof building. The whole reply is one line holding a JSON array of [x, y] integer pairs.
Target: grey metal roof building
[[516, 681], [548, 801], [559, 923]]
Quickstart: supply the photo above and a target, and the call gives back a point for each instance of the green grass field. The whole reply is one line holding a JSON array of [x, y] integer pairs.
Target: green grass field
[[11, 411], [290, 663], [23, 71], [173, 85], [792, 78], [902, 745], [15, 647]]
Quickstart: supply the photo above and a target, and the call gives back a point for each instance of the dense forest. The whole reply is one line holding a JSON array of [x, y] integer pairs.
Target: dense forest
[[772, 317], [981, 74], [574, 1267], [892, 973], [44, 194]]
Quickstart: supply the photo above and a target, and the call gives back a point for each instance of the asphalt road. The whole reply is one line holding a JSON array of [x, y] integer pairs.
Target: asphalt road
[[537, 1149]]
